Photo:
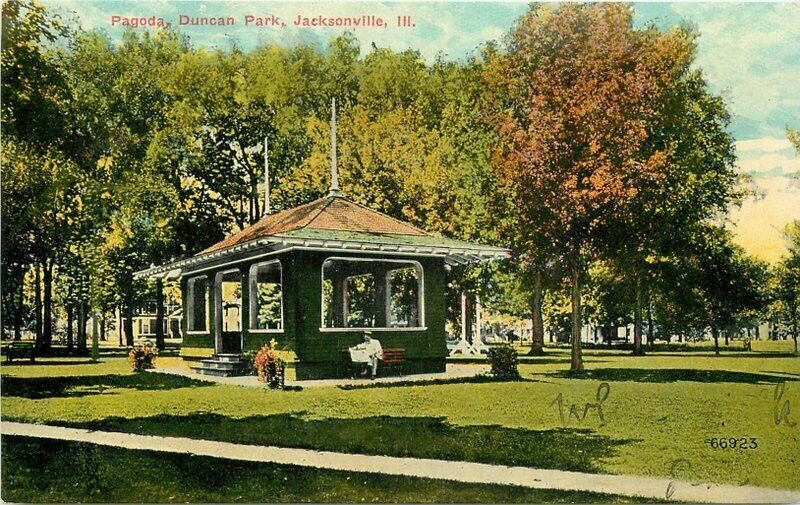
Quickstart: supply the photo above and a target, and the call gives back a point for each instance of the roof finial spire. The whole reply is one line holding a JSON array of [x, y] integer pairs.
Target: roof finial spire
[[334, 189], [266, 176]]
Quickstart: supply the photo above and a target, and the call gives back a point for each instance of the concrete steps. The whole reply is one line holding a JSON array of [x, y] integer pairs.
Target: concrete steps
[[223, 365]]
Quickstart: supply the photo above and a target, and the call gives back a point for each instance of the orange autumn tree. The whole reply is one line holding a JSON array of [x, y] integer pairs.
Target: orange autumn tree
[[572, 98]]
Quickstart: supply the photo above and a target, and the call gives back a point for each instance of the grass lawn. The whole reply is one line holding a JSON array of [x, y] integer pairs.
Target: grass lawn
[[55, 471], [659, 410]]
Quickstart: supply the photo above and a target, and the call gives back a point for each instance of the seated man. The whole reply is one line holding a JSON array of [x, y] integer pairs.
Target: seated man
[[369, 352]]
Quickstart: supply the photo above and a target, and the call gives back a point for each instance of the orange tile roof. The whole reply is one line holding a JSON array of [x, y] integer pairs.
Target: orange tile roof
[[330, 213]]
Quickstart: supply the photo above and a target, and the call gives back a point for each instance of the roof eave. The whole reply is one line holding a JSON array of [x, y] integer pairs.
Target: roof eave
[[454, 255]]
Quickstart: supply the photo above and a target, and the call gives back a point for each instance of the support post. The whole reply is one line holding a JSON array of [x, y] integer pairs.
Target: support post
[[160, 314]]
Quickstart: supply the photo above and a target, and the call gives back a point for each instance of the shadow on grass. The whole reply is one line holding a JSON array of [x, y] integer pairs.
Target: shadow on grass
[[51, 362], [785, 373], [421, 437], [64, 387], [475, 379], [672, 375], [535, 360], [53, 471]]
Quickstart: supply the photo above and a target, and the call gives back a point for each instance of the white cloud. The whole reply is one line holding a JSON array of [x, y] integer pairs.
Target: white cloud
[[750, 52], [772, 164], [764, 144]]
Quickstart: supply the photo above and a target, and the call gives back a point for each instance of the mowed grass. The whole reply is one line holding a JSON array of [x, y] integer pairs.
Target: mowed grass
[[659, 410], [68, 472]]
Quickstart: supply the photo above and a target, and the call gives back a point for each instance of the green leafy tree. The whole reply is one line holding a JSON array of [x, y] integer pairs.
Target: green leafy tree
[[572, 101], [786, 281], [731, 282]]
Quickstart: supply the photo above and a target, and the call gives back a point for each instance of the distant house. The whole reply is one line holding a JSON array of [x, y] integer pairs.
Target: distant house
[[144, 321]]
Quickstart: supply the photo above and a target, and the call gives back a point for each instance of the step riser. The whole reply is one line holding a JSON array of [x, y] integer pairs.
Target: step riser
[[228, 358], [223, 366], [217, 373]]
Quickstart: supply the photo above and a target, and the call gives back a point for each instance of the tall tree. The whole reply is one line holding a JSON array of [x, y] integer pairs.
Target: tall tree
[[35, 134], [571, 100], [697, 183], [787, 283]]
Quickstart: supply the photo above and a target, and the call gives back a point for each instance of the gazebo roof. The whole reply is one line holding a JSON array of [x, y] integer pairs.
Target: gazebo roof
[[332, 213], [331, 223]]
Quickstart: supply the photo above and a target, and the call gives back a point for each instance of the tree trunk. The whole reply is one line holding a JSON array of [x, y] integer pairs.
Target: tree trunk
[[255, 197], [715, 334], [129, 316], [160, 314], [576, 364], [537, 337], [103, 336], [19, 307], [95, 335], [794, 331], [82, 326], [119, 325], [70, 335], [650, 331], [37, 294], [637, 319], [47, 330]]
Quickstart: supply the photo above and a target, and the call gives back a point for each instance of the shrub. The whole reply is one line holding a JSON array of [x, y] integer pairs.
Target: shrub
[[143, 356], [270, 367], [503, 359]]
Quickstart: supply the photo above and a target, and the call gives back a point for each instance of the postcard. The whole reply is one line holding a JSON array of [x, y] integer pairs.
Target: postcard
[[400, 252]]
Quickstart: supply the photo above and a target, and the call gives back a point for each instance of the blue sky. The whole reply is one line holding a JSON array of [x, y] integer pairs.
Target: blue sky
[[749, 53]]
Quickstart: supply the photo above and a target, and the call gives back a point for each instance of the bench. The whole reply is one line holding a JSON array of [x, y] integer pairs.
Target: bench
[[393, 360], [20, 350]]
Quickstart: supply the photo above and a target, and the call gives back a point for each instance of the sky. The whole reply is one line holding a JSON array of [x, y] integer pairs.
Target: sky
[[749, 53]]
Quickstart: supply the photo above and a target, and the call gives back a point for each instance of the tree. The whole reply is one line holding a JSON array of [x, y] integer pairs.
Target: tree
[[571, 100], [794, 139], [36, 190], [787, 282], [696, 184], [731, 282]]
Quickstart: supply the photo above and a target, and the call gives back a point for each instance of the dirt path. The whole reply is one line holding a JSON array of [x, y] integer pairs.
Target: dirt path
[[460, 471]]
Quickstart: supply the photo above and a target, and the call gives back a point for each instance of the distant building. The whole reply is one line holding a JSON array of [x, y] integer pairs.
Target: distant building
[[144, 321]]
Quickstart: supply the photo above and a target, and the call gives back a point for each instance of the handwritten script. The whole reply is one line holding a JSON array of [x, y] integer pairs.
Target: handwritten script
[[603, 390], [781, 407]]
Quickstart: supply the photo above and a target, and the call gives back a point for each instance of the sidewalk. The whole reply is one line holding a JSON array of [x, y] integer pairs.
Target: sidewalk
[[454, 371], [459, 471]]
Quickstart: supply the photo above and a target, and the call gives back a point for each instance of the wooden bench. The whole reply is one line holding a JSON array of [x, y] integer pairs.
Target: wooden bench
[[394, 359], [20, 350]]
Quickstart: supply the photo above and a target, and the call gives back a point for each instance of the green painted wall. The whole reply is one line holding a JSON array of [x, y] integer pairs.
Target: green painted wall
[[318, 351]]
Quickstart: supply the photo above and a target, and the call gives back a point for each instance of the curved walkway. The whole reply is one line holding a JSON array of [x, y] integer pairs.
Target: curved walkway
[[460, 471]]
